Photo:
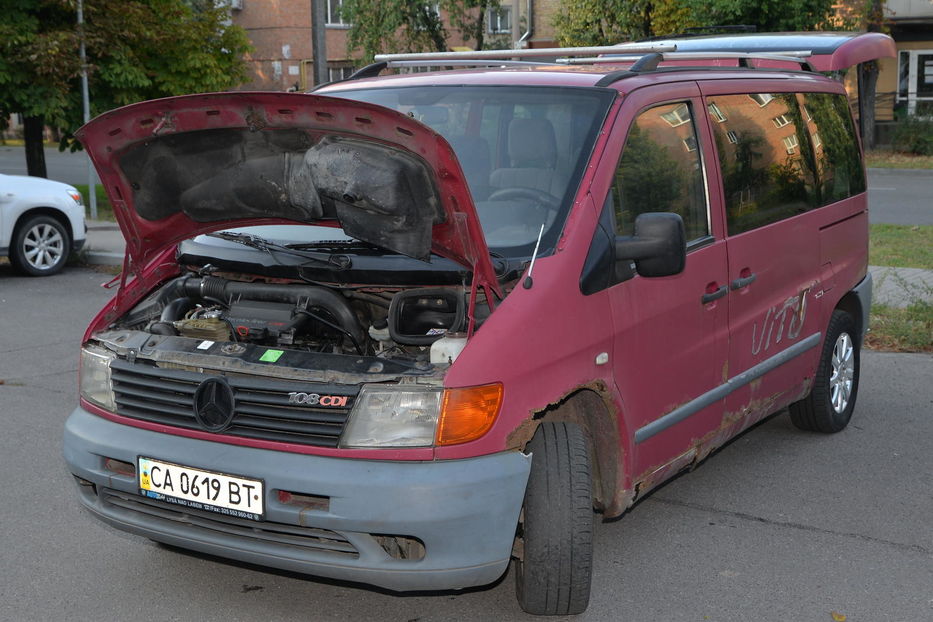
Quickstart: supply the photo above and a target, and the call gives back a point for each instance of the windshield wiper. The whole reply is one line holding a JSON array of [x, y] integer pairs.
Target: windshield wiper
[[339, 262]]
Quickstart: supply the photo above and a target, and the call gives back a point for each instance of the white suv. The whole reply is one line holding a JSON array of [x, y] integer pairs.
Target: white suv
[[41, 223]]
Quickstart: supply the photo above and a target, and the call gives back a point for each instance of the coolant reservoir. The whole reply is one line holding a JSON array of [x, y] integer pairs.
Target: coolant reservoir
[[448, 348]]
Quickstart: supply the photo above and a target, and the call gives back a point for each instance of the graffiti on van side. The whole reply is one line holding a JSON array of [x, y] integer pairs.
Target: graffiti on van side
[[790, 315]]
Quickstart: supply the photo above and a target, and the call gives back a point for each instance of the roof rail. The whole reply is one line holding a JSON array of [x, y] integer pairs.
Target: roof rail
[[644, 56], [790, 56], [625, 48]]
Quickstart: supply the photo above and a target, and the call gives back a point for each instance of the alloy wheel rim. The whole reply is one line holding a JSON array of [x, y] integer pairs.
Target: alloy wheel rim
[[43, 247], [843, 373]]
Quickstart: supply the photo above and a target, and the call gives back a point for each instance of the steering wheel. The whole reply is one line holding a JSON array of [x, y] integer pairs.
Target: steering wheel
[[542, 198]]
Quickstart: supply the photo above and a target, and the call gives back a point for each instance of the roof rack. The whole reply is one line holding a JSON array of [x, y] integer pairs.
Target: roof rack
[[645, 56], [789, 56], [470, 55]]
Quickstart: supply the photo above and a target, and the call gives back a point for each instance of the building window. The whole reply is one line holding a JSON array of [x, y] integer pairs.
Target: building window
[[817, 143], [499, 20], [334, 17], [677, 116], [335, 73], [762, 99], [791, 144], [716, 113], [733, 137], [690, 143], [915, 80], [781, 120]]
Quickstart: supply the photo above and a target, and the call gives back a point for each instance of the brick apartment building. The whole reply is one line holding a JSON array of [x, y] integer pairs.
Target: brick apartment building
[[280, 31]]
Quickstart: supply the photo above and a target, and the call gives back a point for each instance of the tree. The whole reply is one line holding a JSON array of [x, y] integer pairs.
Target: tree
[[386, 26], [603, 22], [606, 22], [136, 50]]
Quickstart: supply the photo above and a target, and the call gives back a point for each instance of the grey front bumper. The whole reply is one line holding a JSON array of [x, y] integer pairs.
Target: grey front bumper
[[463, 511]]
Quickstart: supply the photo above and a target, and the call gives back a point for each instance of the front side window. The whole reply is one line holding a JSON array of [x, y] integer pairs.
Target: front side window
[[660, 171]]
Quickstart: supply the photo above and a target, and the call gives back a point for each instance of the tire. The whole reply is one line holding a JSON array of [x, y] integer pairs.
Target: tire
[[829, 406], [40, 247], [553, 576]]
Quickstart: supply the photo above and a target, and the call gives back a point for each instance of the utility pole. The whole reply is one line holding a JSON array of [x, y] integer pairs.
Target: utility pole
[[86, 103], [318, 42]]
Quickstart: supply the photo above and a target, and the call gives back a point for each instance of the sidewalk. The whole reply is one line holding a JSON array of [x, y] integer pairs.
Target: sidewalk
[[105, 244], [897, 287]]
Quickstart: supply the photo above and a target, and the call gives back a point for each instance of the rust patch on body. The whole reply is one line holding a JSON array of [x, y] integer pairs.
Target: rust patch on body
[[255, 119], [165, 124], [590, 407]]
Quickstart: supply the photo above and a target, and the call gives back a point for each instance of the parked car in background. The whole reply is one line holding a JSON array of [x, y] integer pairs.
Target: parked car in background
[[41, 223]]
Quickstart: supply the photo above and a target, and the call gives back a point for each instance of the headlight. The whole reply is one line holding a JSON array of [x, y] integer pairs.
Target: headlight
[[395, 416], [94, 376], [74, 194]]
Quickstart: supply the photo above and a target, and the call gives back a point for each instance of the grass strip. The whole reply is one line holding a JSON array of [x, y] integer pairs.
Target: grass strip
[[104, 209], [901, 246], [889, 159], [908, 329]]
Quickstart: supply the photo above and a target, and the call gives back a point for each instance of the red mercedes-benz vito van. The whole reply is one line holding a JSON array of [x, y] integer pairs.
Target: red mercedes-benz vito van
[[410, 328]]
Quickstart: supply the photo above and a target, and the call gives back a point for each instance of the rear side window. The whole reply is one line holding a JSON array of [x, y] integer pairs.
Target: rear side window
[[837, 162], [782, 154], [660, 171]]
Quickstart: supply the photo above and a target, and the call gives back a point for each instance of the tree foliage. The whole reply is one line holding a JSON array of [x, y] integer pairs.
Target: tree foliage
[[136, 50], [388, 26], [606, 22]]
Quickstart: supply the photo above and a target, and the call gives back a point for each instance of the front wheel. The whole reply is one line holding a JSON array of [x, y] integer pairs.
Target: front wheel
[[552, 576], [40, 247], [829, 406]]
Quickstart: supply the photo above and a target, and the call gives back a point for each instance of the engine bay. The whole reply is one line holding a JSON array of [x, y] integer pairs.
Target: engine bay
[[389, 323]]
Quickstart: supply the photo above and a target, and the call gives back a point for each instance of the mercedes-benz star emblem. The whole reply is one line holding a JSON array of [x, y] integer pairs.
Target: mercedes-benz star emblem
[[214, 405]]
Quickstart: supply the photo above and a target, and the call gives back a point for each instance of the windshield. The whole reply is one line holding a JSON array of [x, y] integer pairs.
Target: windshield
[[522, 149]]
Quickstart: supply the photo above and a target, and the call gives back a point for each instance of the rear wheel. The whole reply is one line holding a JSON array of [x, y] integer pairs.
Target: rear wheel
[[829, 406], [40, 247], [556, 531]]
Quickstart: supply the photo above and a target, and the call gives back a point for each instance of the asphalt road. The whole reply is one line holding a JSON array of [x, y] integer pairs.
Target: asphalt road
[[896, 196], [67, 167], [900, 196], [779, 525]]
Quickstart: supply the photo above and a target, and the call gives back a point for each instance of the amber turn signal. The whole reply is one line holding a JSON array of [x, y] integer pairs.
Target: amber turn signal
[[468, 413]]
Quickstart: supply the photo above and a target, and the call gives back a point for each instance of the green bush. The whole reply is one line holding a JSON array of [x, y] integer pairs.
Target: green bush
[[914, 135]]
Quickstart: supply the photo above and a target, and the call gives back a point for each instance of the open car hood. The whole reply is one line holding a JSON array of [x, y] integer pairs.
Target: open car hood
[[177, 167]]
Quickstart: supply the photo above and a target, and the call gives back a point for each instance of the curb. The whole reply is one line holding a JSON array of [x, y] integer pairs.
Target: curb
[[103, 258]]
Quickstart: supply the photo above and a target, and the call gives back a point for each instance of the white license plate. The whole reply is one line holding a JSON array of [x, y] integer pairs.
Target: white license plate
[[241, 497]]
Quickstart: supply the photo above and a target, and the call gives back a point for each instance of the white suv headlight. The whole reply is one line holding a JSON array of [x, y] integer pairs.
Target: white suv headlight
[[393, 417], [94, 376]]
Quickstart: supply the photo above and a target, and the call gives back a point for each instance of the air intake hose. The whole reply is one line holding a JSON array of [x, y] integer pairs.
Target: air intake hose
[[302, 296]]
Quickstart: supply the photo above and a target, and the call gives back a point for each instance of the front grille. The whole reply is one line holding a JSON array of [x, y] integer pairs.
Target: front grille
[[166, 396], [306, 538]]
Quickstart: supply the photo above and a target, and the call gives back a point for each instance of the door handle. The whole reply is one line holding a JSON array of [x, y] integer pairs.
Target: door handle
[[744, 281], [715, 295]]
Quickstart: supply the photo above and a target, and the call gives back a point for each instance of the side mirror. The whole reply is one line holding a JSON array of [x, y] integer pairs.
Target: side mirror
[[659, 246]]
